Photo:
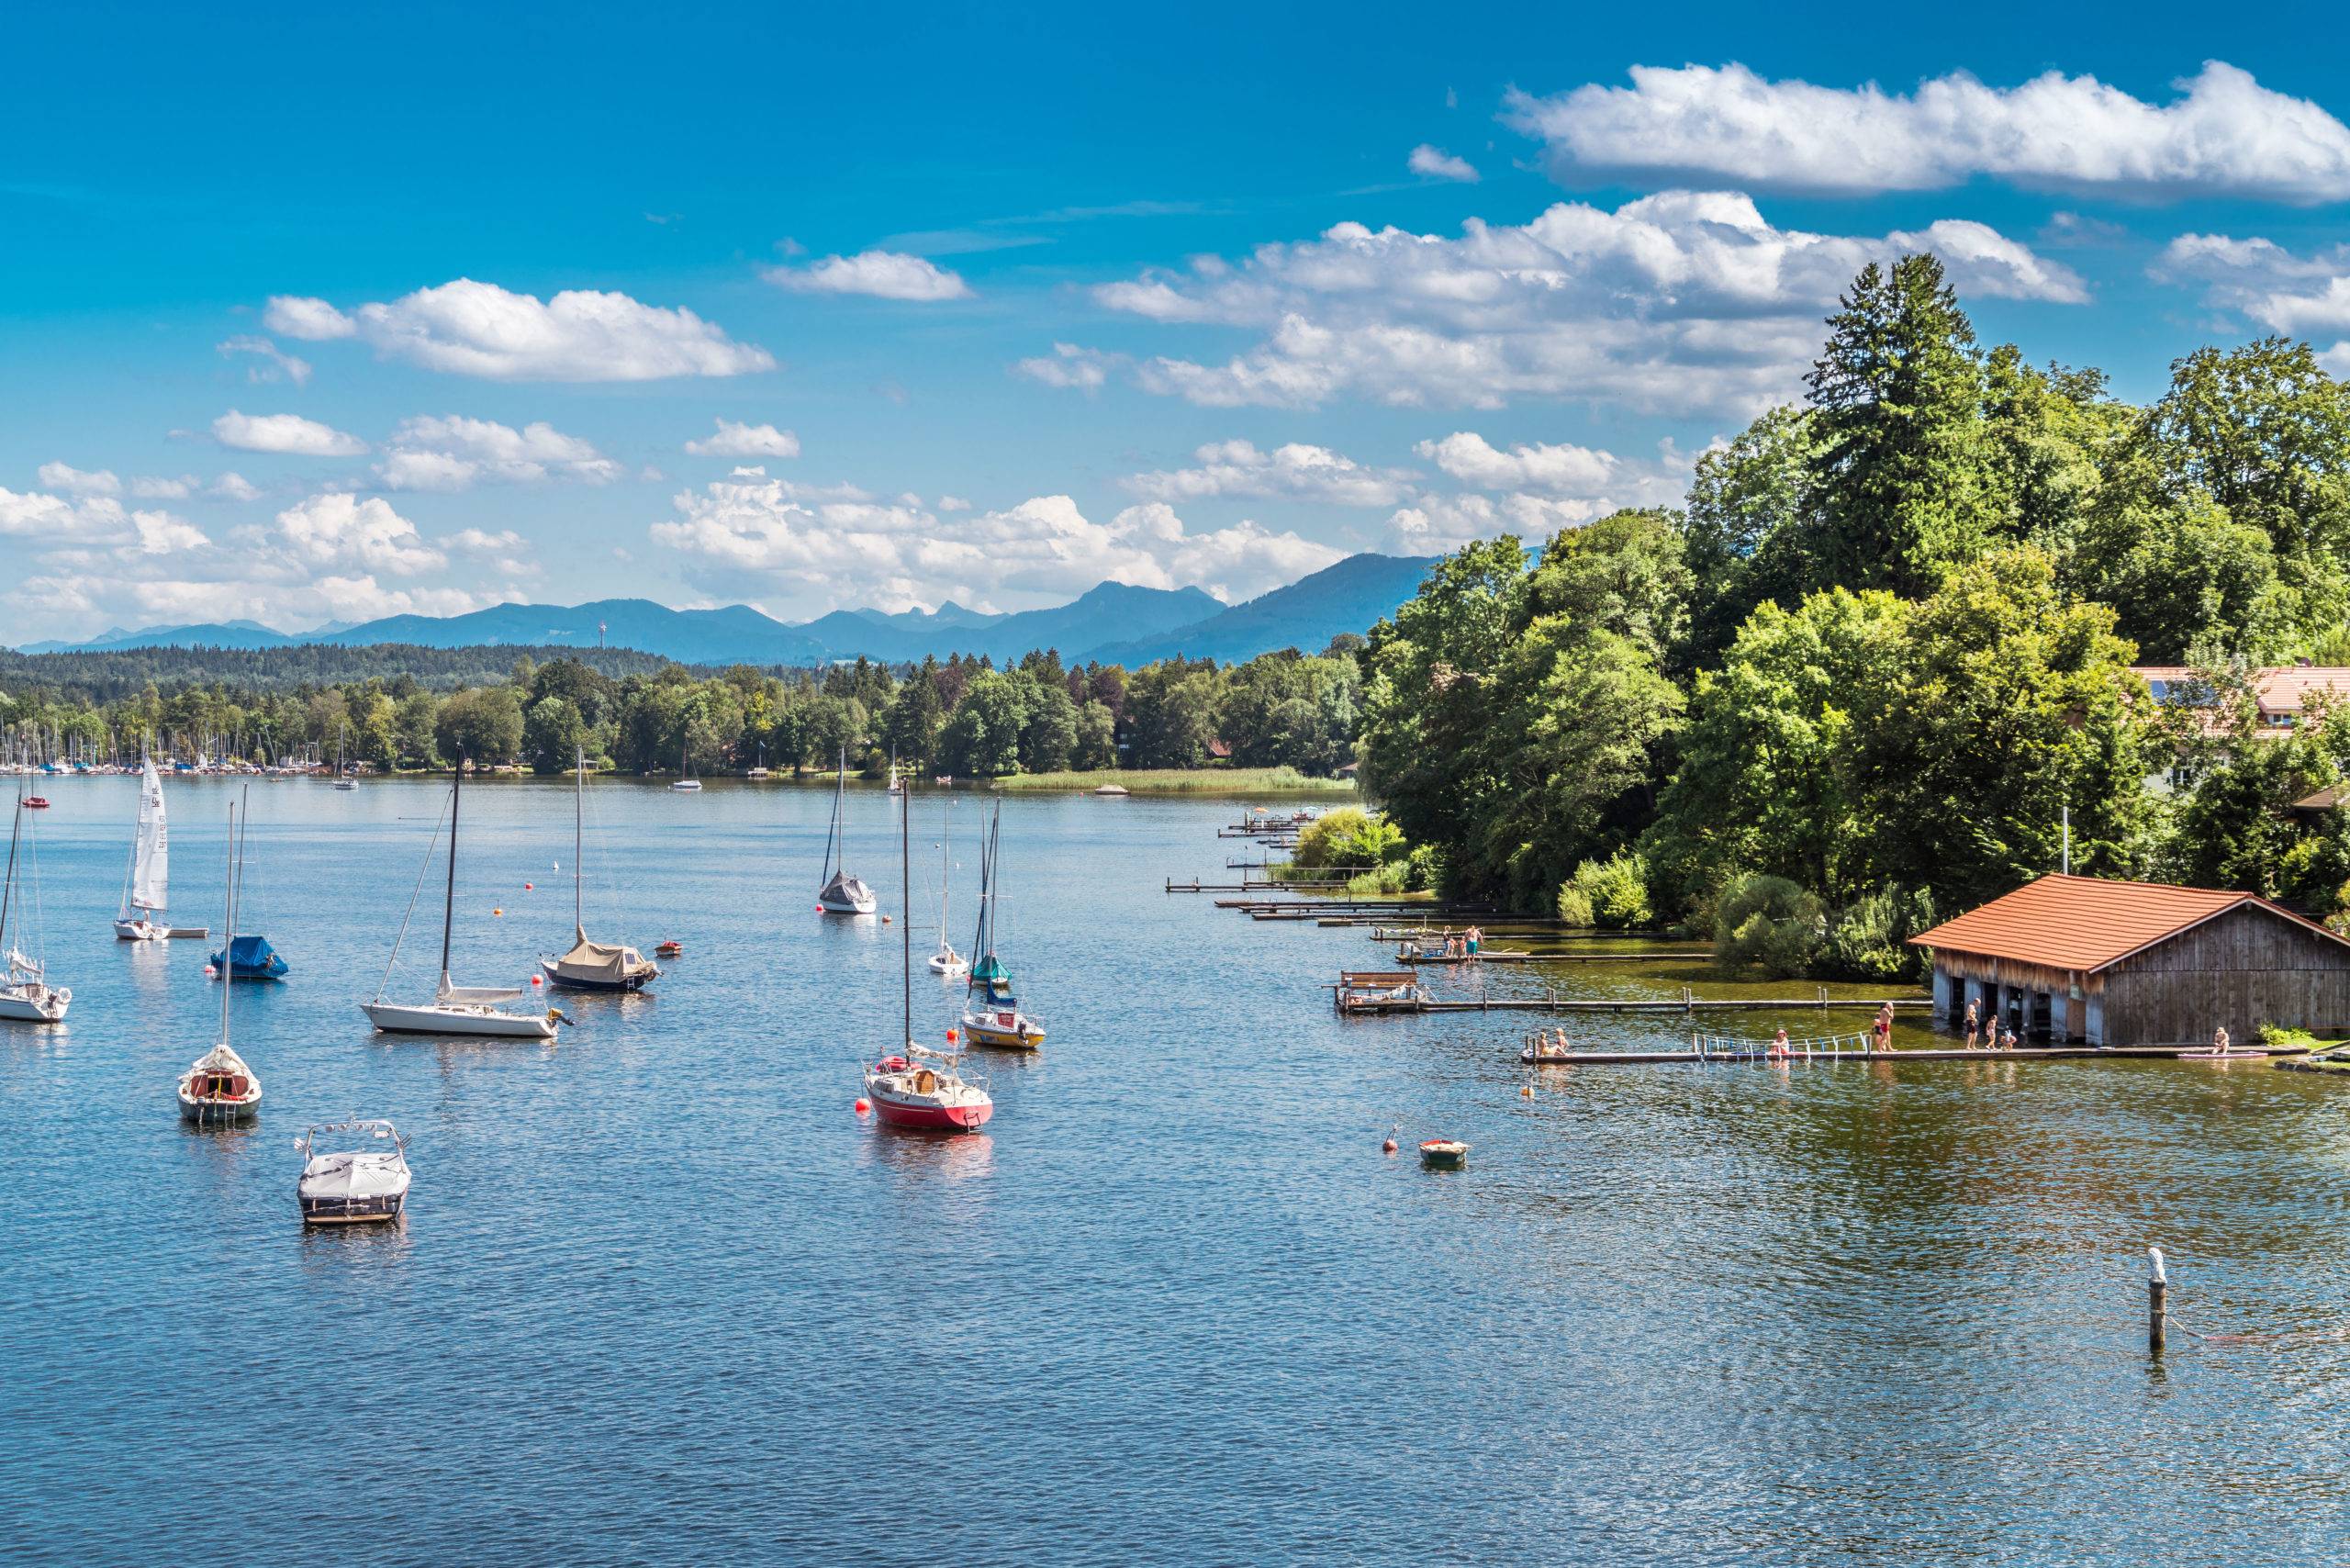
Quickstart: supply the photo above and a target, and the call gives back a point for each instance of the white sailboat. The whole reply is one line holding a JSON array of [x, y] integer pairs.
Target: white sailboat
[[946, 960], [146, 885], [841, 893], [592, 966], [455, 1009], [685, 779], [342, 780], [26, 994], [218, 1086]]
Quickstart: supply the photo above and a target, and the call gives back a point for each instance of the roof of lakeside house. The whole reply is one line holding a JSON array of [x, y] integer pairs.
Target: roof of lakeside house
[[2089, 923], [2284, 688]]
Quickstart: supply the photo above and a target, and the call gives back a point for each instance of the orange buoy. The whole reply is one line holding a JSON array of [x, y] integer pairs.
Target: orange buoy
[[1526, 1092], [950, 1036], [497, 911], [885, 920], [862, 1107]]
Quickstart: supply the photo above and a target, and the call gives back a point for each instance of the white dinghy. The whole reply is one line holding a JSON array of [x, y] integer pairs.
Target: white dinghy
[[26, 994], [363, 1186], [455, 1009]]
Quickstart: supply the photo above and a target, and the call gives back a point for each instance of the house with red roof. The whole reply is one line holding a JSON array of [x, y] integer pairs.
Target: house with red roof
[[2116, 963]]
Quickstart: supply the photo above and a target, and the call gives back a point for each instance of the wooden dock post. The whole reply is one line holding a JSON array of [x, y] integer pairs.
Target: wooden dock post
[[2157, 1289]]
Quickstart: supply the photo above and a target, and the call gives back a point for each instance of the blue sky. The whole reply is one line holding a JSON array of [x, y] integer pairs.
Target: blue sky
[[315, 315]]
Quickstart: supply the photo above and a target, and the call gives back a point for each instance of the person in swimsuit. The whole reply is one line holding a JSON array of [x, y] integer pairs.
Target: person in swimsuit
[[1974, 1024]]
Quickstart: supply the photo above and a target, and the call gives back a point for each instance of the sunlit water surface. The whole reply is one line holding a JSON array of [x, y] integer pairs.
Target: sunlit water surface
[[662, 1297]]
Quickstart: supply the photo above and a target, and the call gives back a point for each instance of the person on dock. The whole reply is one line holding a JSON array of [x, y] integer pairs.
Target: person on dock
[[2007, 1040], [1475, 937], [1974, 1022], [2220, 1041], [1780, 1049], [1881, 1031]]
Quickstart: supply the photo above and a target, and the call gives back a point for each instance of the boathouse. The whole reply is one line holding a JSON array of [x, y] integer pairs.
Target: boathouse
[[2115, 963]]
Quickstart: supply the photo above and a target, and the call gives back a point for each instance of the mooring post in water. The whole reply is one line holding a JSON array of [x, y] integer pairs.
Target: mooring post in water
[[2157, 1288]]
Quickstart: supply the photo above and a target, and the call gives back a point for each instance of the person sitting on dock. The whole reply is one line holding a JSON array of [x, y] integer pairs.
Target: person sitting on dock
[[2220, 1041], [1780, 1049], [2007, 1040]]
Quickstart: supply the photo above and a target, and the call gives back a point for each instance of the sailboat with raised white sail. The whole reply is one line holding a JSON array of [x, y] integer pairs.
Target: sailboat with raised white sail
[[146, 885], [26, 994], [592, 966], [218, 1086], [840, 893], [455, 1009]]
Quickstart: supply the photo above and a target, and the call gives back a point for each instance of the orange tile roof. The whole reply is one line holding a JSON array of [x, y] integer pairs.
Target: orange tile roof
[[2089, 922]]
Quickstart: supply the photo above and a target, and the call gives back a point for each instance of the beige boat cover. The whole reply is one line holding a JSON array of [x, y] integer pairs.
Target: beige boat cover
[[599, 961]]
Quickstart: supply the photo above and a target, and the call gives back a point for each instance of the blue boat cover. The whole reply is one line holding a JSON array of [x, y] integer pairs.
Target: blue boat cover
[[253, 954]]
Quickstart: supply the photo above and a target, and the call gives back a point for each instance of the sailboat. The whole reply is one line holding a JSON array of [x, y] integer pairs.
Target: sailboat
[[841, 893], [250, 956], [991, 1014], [342, 779], [137, 918], [592, 966], [218, 1086], [26, 994], [455, 1009], [919, 1089], [895, 786], [685, 779], [946, 960]]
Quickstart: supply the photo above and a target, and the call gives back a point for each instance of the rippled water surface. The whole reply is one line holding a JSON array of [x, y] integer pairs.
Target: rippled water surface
[[662, 1297]]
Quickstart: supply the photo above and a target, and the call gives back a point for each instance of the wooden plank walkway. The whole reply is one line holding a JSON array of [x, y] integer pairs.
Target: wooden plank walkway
[[1684, 1005]]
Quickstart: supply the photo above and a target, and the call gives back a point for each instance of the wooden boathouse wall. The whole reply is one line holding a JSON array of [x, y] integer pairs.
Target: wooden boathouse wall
[[2246, 966]]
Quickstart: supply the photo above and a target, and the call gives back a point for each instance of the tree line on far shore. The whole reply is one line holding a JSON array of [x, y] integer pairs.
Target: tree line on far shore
[[1867, 674], [962, 716]]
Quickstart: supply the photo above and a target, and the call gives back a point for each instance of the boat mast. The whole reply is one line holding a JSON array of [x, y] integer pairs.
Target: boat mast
[[579, 799], [449, 900], [228, 918], [906, 901], [8, 887]]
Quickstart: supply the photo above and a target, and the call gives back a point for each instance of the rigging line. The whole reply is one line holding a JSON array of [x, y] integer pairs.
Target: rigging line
[[413, 894]]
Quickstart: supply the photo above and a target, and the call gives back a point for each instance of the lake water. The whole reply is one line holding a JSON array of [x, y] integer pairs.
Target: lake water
[[662, 1297]]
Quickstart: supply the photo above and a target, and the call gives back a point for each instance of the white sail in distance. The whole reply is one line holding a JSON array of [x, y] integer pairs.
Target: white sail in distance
[[150, 873]]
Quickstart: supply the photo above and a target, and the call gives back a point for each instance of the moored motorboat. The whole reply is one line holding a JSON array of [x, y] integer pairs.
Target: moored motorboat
[[361, 1186], [1444, 1154], [248, 958]]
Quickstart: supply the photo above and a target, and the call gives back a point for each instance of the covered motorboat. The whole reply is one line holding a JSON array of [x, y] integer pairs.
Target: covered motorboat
[[250, 958], [220, 1087], [366, 1185]]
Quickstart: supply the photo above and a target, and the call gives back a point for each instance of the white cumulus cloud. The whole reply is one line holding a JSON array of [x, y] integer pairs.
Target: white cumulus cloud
[[1069, 365], [283, 432], [734, 440], [1308, 473], [450, 452], [336, 530], [271, 362], [79, 482], [466, 328], [1471, 459], [801, 553], [884, 274], [1680, 300], [2299, 295], [1436, 163], [2223, 135]]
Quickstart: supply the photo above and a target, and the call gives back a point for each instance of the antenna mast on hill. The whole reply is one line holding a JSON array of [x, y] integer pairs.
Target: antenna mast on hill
[[600, 633]]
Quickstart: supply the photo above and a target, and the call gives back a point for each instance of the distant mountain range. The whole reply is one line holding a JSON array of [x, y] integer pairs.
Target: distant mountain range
[[1114, 623]]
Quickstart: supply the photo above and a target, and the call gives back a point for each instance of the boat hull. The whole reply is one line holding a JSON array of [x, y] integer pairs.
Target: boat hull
[[998, 1038], [47, 1008], [562, 981], [843, 906], [140, 930], [929, 1115], [486, 1022], [215, 1113], [353, 1211]]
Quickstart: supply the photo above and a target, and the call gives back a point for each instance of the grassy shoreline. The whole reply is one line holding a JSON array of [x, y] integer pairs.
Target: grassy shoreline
[[1185, 782]]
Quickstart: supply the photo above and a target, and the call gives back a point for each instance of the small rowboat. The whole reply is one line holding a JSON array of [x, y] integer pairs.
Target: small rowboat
[[36, 803], [1444, 1154], [670, 949]]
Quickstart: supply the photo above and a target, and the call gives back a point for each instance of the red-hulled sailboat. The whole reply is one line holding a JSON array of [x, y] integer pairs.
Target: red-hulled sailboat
[[918, 1089]]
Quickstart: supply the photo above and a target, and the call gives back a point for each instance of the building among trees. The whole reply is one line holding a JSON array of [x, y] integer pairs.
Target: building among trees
[[2116, 963]]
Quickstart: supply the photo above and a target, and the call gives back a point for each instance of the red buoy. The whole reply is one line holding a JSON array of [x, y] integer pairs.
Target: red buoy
[[538, 980], [529, 887], [862, 1107], [1388, 1148]]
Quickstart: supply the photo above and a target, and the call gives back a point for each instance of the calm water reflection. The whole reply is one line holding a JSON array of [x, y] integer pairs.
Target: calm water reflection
[[661, 1296]]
